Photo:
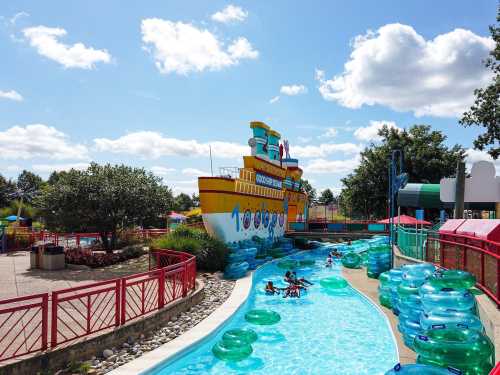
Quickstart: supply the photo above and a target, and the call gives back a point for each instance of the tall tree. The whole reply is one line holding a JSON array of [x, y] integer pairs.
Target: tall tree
[[308, 189], [485, 112], [28, 185], [183, 202], [104, 199], [427, 159], [7, 188], [326, 197]]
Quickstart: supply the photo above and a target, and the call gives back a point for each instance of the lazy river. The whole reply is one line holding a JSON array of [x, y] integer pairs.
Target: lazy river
[[323, 332]]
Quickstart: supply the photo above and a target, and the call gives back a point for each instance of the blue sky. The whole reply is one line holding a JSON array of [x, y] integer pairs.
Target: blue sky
[[154, 83]]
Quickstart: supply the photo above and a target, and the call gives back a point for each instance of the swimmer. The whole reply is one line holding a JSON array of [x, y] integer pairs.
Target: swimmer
[[329, 261], [335, 254], [271, 289], [289, 277], [301, 281]]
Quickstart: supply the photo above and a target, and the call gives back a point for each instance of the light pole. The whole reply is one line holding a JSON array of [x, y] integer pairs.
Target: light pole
[[397, 180]]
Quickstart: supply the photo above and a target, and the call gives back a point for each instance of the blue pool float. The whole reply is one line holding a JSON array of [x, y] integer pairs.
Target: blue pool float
[[418, 369], [450, 319], [436, 298]]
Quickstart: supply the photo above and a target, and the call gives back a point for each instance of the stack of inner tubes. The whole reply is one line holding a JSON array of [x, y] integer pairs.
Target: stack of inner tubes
[[379, 260]]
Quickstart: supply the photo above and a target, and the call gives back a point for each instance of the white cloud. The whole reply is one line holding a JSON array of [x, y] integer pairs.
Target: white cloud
[[370, 133], [39, 141], [329, 133], [49, 168], [293, 90], [149, 144], [182, 48], [274, 100], [187, 187], [11, 95], [396, 67], [231, 13], [17, 16], [161, 171], [474, 156], [323, 166], [324, 149], [45, 40], [302, 139], [194, 172]]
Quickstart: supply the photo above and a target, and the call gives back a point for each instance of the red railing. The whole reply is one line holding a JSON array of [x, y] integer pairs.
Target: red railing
[[23, 325], [88, 309], [477, 256]]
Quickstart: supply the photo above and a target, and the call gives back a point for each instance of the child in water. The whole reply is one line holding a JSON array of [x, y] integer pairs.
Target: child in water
[[301, 281], [271, 289], [329, 261]]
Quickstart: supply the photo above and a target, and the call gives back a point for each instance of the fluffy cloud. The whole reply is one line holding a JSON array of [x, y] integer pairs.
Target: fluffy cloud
[[293, 90], [231, 13], [49, 168], [324, 149], [329, 133], [396, 67], [149, 144], [38, 140], [182, 48], [370, 133], [11, 95], [161, 171], [474, 156], [323, 166], [45, 40], [194, 172]]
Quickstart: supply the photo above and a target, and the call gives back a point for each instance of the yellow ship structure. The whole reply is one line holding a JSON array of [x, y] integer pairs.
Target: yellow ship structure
[[259, 199]]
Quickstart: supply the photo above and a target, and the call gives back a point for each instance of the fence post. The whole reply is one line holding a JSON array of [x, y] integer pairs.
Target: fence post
[[53, 326], [117, 302], [184, 279], [45, 318], [161, 289], [123, 301]]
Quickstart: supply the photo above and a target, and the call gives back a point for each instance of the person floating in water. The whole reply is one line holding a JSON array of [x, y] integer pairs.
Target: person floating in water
[[300, 281], [289, 277], [329, 260], [335, 254], [293, 291], [271, 289]]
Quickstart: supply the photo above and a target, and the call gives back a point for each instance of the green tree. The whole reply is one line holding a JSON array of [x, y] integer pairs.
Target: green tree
[[485, 112], [427, 159], [104, 199], [183, 202], [326, 197], [7, 188], [308, 189], [28, 185]]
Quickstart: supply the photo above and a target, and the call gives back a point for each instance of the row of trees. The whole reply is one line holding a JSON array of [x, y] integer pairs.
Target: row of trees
[[102, 198]]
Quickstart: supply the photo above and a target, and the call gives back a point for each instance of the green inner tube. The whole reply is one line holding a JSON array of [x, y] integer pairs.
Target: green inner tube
[[262, 317], [372, 275], [351, 260], [460, 348], [385, 300], [384, 277], [453, 279], [288, 264], [406, 290], [245, 335], [231, 350], [333, 282]]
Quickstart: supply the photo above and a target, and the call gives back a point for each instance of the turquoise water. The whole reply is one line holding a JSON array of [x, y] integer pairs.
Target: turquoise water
[[320, 333]]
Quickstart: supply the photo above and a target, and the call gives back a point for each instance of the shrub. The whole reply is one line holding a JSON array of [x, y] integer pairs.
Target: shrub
[[210, 252], [95, 260]]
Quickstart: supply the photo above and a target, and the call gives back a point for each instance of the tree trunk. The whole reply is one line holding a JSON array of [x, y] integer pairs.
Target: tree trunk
[[105, 242]]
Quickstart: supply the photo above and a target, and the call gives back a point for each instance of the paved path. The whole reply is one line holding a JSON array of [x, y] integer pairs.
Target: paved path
[[17, 279], [358, 279]]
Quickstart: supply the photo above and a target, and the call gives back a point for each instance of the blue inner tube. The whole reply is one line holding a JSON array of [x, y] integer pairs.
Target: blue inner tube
[[450, 319], [436, 298], [418, 369]]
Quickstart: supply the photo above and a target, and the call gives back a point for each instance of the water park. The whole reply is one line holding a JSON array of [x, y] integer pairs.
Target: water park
[[251, 188]]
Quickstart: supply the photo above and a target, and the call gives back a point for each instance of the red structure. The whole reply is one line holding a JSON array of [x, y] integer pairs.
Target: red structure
[[25, 322]]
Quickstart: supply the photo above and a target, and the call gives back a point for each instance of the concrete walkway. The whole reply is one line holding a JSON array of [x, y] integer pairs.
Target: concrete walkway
[[17, 279], [358, 279]]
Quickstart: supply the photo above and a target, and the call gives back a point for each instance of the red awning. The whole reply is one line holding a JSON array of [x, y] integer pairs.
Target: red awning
[[405, 220]]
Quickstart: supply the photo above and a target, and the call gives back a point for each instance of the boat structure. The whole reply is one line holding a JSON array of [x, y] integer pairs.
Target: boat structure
[[258, 200]]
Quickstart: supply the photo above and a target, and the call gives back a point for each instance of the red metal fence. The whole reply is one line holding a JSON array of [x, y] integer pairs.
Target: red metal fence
[[479, 257], [88, 309]]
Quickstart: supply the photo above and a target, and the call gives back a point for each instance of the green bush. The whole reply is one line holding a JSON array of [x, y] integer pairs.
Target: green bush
[[133, 251], [210, 252]]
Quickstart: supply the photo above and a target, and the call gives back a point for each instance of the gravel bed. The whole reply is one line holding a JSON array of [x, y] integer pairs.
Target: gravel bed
[[217, 290]]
